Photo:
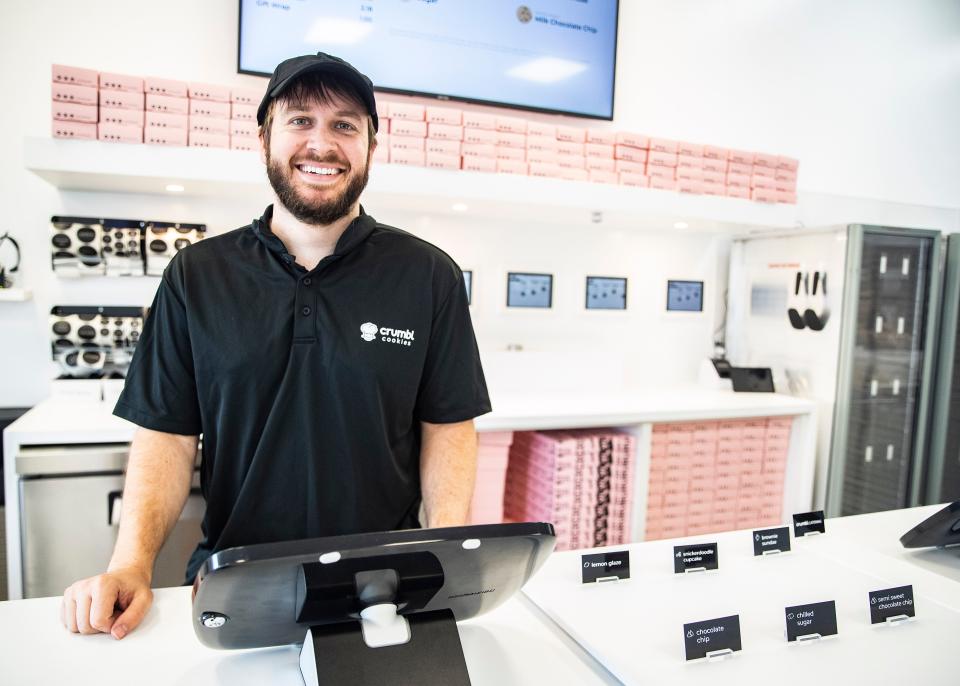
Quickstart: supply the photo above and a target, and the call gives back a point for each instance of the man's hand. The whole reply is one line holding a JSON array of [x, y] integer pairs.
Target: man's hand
[[114, 603]]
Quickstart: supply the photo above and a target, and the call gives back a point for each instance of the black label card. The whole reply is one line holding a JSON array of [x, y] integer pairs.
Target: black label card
[[809, 522], [891, 602], [598, 566], [808, 620], [711, 635], [690, 557], [771, 540]]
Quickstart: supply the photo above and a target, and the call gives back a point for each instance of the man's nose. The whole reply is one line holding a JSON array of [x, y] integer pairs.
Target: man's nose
[[320, 141]]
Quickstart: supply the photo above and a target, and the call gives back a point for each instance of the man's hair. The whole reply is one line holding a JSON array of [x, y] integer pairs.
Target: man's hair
[[316, 88]]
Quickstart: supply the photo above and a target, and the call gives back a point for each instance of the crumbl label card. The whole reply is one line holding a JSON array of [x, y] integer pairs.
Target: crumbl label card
[[813, 620], [891, 603], [809, 522], [712, 637], [605, 566], [695, 558], [769, 541]]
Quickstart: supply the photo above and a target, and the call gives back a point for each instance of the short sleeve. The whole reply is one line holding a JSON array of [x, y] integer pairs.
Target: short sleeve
[[452, 388], [160, 392]]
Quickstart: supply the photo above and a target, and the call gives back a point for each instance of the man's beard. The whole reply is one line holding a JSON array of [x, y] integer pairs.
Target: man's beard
[[315, 211]]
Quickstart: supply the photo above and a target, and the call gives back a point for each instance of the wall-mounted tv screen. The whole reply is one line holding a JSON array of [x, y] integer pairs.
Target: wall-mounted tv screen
[[606, 293], [685, 296], [529, 290], [468, 282], [548, 56]]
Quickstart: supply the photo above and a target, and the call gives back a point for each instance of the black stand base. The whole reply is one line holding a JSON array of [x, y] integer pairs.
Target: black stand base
[[341, 656]]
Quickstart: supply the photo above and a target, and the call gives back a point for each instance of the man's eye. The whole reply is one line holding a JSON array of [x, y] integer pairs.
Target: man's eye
[[346, 125], [298, 121]]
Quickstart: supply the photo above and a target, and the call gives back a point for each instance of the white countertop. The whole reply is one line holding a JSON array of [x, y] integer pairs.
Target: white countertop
[[634, 628], [57, 421], [511, 645]]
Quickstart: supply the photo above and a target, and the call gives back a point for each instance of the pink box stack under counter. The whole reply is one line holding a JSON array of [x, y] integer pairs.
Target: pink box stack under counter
[[492, 458], [715, 476], [581, 481]]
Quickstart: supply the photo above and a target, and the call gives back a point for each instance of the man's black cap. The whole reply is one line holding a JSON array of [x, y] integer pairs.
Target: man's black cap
[[295, 67]]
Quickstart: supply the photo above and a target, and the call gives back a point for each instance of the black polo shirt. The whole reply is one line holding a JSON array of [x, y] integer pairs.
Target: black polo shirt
[[308, 387]]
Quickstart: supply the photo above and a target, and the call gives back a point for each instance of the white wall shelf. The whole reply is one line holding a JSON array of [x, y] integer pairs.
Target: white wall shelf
[[96, 166], [15, 295]]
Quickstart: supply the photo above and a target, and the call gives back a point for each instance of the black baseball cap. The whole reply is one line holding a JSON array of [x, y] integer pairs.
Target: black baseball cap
[[295, 67]]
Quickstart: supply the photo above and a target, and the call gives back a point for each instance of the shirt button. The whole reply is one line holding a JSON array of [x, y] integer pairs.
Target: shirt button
[[307, 281], [305, 311]]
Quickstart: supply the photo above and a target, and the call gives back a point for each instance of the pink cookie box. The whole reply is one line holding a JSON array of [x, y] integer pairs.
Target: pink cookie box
[[119, 133], [479, 150], [445, 132], [763, 160], [381, 154], [601, 164], [243, 112], [161, 121], [690, 186], [516, 125], [404, 156], [65, 111], [632, 168], [436, 146], [663, 184], [634, 179], [537, 129], [244, 143], [198, 139], [514, 154], [630, 154], [542, 143], [785, 186], [568, 148], [246, 96], [573, 174], [691, 149], [247, 129], [737, 168], [126, 117], [600, 176], [407, 143], [212, 125], [633, 140], [713, 188], [712, 152], [787, 163], [764, 182], [738, 180], [480, 164], [741, 157], [785, 175], [78, 95], [480, 136], [479, 120], [689, 162], [167, 105], [407, 111], [449, 116], [405, 127], [122, 100], [512, 167], [74, 76], [206, 91], [600, 150], [769, 172], [689, 174], [74, 129], [718, 178], [661, 159], [571, 134], [541, 157], [511, 140], [787, 198], [602, 137], [168, 87], [716, 166], [440, 161], [572, 162], [664, 145], [544, 169], [209, 108], [121, 82], [168, 137], [764, 195], [499, 438]]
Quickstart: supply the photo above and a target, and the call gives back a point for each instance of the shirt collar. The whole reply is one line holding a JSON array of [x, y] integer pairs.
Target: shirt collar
[[356, 233]]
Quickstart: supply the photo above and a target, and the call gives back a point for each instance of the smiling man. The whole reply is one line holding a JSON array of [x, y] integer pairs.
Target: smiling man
[[328, 360]]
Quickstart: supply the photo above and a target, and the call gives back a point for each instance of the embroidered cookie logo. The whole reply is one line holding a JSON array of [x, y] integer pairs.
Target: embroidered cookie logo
[[369, 331]]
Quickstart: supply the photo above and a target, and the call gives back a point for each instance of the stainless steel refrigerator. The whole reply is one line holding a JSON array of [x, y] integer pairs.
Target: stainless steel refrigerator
[[847, 316]]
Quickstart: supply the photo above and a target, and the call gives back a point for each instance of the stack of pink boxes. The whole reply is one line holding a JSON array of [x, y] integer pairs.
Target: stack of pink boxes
[[716, 476], [152, 110], [581, 481], [492, 457]]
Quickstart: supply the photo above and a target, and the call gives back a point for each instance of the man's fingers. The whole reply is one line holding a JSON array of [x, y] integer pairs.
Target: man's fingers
[[133, 614], [83, 614], [70, 613], [102, 606]]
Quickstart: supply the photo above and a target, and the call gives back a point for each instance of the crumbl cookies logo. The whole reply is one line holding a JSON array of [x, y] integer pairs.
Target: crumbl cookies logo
[[369, 331]]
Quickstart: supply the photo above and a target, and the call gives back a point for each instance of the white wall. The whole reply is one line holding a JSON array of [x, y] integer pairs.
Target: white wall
[[864, 93]]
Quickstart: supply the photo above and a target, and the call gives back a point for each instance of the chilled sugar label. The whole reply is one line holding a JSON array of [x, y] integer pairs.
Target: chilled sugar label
[[811, 621], [712, 637], [605, 566], [807, 523], [695, 558], [770, 541], [891, 604]]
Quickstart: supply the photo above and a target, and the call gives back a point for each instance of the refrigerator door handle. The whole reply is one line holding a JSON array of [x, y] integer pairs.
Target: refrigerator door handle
[[115, 505]]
